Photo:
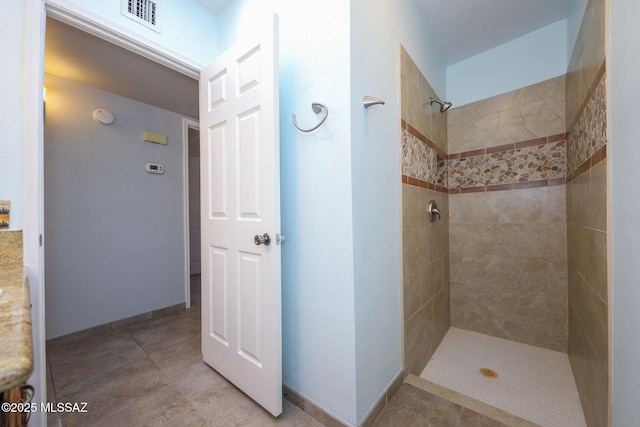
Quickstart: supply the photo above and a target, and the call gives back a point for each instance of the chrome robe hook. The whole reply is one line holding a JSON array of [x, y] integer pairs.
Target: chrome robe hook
[[368, 101], [317, 108]]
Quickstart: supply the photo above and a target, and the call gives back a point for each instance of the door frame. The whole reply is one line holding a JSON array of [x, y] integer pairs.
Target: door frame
[[35, 14], [186, 125]]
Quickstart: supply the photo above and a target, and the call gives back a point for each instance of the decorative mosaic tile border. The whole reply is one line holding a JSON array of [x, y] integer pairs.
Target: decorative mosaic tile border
[[594, 85], [538, 160], [422, 161], [552, 160], [587, 140], [419, 161], [533, 163]]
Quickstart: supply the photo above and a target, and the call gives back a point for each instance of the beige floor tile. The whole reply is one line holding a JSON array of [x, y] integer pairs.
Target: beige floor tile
[[58, 349], [152, 374], [73, 370], [175, 357], [164, 407], [412, 406], [252, 415], [173, 327], [114, 391], [198, 379], [219, 402]]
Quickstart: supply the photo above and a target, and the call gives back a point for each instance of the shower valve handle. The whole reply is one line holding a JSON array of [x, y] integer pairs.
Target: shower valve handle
[[433, 211]]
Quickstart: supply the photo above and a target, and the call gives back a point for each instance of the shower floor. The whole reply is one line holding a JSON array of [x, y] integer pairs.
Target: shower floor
[[533, 383]]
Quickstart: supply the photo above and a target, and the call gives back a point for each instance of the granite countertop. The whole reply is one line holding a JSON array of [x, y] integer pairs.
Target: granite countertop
[[16, 355]]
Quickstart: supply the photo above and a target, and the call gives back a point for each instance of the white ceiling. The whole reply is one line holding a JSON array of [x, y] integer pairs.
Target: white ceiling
[[75, 55], [464, 28], [460, 28]]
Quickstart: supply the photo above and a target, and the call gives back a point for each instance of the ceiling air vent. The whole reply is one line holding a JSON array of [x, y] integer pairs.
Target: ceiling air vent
[[145, 12]]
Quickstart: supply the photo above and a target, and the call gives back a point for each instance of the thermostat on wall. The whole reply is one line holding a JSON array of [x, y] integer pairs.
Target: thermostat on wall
[[155, 168]]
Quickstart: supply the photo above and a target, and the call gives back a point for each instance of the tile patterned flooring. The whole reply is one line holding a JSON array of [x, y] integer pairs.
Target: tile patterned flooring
[[151, 374], [414, 407]]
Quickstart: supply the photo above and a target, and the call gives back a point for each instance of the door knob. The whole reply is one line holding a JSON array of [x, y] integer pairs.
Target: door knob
[[262, 240]]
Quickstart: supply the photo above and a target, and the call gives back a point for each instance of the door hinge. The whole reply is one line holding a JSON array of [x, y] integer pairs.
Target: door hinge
[[40, 240]]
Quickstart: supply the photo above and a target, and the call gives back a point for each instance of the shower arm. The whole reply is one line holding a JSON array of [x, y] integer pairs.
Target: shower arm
[[444, 105]]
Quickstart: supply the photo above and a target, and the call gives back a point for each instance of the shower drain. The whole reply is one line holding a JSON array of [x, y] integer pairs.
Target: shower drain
[[489, 373]]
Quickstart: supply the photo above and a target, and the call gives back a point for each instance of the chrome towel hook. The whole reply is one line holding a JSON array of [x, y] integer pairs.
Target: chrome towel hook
[[368, 101], [317, 108]]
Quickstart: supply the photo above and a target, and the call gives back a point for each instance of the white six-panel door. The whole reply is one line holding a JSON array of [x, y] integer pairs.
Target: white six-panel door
[[240, 198]]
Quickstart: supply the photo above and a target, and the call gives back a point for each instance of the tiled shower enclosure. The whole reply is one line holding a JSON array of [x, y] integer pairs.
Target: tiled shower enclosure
[[521, 250]]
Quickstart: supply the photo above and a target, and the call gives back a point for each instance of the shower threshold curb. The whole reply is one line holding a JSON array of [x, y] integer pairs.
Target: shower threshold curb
[[469, 403]]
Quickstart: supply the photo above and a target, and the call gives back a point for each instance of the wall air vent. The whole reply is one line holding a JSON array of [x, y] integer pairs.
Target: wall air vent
[[145, 12]]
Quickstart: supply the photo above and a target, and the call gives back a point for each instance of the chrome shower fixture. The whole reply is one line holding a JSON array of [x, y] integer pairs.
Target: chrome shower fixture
[[444, 106]]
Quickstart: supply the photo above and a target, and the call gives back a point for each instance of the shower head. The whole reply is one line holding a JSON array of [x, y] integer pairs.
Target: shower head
[[444, 106]]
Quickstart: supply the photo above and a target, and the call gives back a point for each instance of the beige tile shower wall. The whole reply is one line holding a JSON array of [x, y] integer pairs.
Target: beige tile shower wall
[[508, 264], [589, 310], [587, 58], [508, 248], [425, 276], [588, 291], [425, 245], [531, 112]]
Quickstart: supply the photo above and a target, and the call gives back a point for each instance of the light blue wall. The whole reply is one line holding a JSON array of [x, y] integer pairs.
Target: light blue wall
[[11, 84], [318, 294], [114, 232], [187, 27], [375, 175], [623, 71], [377, 29], [574, 21], [407, 28], [532, 58]]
